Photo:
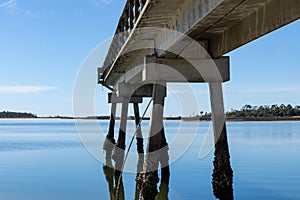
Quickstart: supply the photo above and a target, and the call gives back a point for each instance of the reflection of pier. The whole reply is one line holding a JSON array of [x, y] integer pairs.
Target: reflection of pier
[[112, 181], [222, 176], [165, 41], [142, 191]]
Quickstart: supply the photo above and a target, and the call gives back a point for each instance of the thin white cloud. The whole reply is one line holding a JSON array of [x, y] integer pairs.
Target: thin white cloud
[[24, 89], [11, 7], [8, 3]]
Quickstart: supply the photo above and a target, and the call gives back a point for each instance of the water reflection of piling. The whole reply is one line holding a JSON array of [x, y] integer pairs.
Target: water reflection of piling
[[222, 173], [112, 181], [163, 193]]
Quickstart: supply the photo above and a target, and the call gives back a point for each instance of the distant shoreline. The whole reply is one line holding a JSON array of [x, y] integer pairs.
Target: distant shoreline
[[185, 119], [246, 113], [249, 119]]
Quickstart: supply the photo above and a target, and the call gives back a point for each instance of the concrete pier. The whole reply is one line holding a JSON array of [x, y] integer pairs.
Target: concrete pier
[[139, 136], [119, 150], [147, 49], [222, 174], [150, 175], [110, 140]]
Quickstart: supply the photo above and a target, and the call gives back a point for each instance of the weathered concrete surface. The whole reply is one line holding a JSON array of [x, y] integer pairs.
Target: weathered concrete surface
[[181, 70], [222, 177], [110, 140], [156, 136], [218, 25], [119, 150]]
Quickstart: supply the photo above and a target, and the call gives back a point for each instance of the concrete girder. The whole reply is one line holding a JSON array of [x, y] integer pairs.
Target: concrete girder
[[173, 70], [134, 90], [113, 98], [181, 70]]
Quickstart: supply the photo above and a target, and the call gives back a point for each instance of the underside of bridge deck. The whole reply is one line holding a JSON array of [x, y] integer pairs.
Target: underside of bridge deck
[[218, 25]]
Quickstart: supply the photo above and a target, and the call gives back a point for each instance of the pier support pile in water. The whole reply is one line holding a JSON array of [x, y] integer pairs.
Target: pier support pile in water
[[157, 147], [222, 174]]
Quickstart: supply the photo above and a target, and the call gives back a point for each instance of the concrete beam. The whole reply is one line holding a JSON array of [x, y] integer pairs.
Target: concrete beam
[[133, 75], [181, 70], [134, 90], [113, 98]]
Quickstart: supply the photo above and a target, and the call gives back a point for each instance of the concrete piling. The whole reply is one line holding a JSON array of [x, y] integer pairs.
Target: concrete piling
[[110, 140], [119, 150], [150, 174], [222, 174]]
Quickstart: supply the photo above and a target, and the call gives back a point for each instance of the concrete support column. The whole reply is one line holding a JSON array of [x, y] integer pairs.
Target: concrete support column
[[139, 136], [123, 123], [222, 174], [217, 110], [118, 153], [110, 140], [150, 177], [140, 148], [139, 139]]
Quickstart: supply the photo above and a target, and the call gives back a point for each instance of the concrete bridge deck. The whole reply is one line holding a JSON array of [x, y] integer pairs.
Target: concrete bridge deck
[[219, 25]]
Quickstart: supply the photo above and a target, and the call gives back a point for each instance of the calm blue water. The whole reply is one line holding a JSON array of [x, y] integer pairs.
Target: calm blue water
[[46, 160]]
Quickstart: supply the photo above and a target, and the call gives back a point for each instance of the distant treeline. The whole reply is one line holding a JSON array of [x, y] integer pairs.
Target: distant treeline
[[274, 111], [247, 112], [6, 114], [266, 111]]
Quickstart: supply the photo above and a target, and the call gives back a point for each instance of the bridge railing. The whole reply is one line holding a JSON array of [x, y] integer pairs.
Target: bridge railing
[[126, 24]]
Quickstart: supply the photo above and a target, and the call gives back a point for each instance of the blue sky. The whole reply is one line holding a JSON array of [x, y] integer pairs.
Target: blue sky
[[44, 43]]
